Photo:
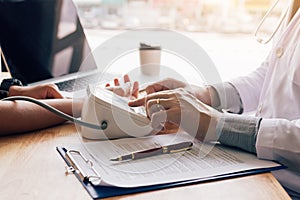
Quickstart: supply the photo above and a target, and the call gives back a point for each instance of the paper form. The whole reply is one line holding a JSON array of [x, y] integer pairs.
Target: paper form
[[204, 160]]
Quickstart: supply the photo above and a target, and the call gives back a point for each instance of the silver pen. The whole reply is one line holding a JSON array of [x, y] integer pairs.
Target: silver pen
[[172, 148]]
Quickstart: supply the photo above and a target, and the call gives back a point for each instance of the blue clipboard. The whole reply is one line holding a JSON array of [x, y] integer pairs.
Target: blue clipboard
[[99, 192]]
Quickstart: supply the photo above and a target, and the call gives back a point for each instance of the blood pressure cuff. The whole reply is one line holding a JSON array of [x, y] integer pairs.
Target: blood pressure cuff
[[6, 84], [3, 94]]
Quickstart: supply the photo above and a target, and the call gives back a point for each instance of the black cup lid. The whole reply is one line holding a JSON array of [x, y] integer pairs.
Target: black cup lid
[[144, 46]]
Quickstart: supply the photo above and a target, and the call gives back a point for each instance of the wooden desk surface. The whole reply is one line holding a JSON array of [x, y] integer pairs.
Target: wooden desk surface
[[31, 168]]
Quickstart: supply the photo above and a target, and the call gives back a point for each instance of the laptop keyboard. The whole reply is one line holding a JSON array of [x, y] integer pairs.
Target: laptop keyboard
[[76, 84]]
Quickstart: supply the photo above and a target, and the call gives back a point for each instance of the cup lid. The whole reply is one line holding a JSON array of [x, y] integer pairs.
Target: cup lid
[[144, 46]]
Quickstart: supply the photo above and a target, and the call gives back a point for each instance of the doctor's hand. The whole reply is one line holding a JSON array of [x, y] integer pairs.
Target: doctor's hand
[[44, 91], [203, 93], [166, 84], [125, 90], [183, 109]]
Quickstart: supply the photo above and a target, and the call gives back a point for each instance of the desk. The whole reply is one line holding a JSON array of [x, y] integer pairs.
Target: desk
[[30, 168], [4, 75]]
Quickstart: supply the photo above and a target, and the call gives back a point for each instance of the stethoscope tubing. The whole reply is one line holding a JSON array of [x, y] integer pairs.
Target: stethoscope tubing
[[283, 15]]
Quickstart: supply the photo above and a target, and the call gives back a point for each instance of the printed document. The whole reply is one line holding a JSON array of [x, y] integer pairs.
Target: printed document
[[203, 161]]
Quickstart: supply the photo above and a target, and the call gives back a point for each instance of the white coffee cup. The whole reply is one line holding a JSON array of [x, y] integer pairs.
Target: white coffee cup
[[150, 59]]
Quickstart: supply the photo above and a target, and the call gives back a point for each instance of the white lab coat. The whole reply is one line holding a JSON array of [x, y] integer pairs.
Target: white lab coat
[[273, 90]]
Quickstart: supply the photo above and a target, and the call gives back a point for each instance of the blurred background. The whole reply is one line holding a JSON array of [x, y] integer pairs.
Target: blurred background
[[225, 16], [224, 28]]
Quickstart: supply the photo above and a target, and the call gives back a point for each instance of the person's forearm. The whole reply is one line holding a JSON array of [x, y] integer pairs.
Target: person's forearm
[[219, 96], [22, 116], [205, 93]]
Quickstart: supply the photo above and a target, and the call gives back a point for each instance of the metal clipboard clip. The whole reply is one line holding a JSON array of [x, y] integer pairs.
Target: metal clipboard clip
[[86, 173]]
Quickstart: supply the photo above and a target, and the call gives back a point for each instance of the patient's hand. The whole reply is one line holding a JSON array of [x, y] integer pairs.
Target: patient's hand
[[125, 90], [44, 91]]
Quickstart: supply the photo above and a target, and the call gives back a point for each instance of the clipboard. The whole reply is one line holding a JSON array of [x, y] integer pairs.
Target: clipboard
[[99, 191]]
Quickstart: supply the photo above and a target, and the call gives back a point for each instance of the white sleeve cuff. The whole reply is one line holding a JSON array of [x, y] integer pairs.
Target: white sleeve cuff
[[229, 98], [265, 139]]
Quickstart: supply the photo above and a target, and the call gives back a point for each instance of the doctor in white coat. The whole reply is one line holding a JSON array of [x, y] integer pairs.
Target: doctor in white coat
[[272, 91]]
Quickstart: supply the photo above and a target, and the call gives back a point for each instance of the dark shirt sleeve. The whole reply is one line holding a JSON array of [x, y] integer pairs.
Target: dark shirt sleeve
[[232, 129], [238, 131]]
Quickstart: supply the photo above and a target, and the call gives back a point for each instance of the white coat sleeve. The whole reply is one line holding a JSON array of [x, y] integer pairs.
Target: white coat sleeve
[[249, 87], [279, 140]]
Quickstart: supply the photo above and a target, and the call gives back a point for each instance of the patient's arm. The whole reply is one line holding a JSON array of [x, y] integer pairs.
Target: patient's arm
[[22, 116]]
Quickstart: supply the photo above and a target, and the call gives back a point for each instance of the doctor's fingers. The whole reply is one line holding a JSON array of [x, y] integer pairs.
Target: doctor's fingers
[[126, 90], [156, 87], [166, 84], [156, 105], [160, 118], [116, 82], [143, 101], [126, 79], [153, 106], [131, 90], [135, 90]]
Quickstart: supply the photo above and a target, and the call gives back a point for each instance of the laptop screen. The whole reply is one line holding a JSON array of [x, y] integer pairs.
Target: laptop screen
[[42, 39]]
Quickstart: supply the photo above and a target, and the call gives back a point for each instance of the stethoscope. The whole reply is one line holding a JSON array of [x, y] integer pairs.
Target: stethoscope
[[265, 41]]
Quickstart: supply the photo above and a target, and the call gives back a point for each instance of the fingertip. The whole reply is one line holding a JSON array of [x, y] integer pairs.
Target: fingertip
[[107, 85], [54, 93], [116, 82], [137, 102], [135, 85], [131, 102], [126, 78], [135, 89], [58, 95], [51, 85], [149, 90]]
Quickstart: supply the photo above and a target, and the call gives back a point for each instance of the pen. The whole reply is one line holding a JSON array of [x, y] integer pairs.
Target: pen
[[142, 90], [173, 148]]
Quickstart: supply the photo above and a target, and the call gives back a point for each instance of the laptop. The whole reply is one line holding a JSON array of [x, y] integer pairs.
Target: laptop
[[44, 42]]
